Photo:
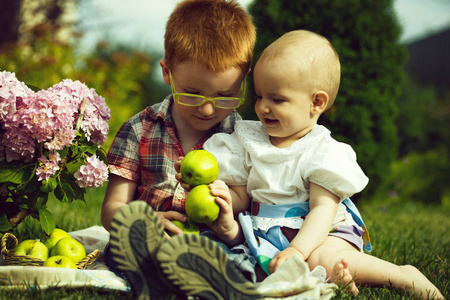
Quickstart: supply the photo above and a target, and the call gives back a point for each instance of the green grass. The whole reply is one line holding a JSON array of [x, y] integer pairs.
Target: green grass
[[402, 233], [408, 233]]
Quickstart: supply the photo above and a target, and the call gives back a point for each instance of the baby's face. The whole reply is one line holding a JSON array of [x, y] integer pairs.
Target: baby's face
[[284, 101]]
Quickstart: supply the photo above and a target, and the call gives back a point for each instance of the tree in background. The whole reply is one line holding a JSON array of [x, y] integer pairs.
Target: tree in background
[[365, 34], [423, 124], [9, 21]]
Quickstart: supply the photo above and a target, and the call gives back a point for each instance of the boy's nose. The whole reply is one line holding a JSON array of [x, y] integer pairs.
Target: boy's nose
[[207, 108]]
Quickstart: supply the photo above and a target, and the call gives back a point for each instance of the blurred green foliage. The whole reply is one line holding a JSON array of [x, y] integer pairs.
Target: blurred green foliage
[[423, 118], [122, 76], [421, 177], [423, 123], [365, 34]]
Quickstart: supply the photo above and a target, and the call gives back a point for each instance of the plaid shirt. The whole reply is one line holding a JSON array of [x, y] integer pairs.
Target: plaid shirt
[[145, 149]]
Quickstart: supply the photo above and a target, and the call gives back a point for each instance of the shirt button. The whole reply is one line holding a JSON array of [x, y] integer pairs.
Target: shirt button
[[180, 196]]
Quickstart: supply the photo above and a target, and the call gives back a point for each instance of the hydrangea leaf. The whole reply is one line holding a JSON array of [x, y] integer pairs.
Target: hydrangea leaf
[[4, 225], [49, 185], [15, 173], [46, 220], [74, 165], [64, 192]]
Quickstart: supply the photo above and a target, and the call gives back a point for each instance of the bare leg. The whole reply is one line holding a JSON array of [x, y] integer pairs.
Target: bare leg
[[369, 270], [342, 277]]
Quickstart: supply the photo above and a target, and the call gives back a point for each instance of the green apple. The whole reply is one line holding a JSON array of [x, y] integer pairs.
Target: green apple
[[32, 248], [59, 261], [51, 239], [188, 227], [201, 206], [70, 248], [199, 167]]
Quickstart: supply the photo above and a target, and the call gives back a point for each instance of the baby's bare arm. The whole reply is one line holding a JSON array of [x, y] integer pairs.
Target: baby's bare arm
[[240, 198], [323, 208]]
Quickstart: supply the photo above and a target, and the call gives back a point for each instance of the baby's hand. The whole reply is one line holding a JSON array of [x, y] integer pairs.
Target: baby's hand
[[225, 222], [179, 176], [283, 256]]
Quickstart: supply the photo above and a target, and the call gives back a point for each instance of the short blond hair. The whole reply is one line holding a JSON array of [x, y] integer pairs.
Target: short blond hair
[[314, 55], [217, 33]]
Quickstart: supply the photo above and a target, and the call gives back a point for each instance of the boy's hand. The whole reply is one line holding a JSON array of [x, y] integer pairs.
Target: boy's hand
[[179, 176], [166, 218], [283, 256]]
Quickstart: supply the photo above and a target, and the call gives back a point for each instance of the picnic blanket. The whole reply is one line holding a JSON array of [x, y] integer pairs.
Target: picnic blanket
[[305, 286], [96, 275]]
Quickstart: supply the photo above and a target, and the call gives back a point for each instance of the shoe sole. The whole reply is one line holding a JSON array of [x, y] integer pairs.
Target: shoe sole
[[137, 260], [199, 267]]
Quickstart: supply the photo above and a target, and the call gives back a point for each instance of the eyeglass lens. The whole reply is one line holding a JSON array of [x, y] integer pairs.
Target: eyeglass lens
[[196, 101]]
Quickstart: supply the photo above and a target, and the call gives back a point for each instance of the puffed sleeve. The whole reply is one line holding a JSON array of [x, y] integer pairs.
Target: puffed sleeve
[[333, 165], [230, 155]]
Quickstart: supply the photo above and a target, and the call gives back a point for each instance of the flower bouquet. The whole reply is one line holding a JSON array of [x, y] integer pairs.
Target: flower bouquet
[[50, 142]]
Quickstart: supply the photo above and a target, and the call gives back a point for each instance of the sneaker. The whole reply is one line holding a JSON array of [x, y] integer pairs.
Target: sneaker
[[136, 235], [200, 267]]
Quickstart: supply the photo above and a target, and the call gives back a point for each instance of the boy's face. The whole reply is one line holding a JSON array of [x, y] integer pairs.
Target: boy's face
[[194, 78], [284, 101]]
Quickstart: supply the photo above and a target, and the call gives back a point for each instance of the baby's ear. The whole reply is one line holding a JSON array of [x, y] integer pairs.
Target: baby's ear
[[319, 102]]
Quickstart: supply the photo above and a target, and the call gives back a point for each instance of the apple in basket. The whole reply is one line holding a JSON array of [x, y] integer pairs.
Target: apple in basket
[[32, 248], [201, 206], [51, 239], [70, 248], [59, 261], [199, 167]]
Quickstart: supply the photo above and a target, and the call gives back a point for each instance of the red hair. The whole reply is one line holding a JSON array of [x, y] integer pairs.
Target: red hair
[[217, 33]]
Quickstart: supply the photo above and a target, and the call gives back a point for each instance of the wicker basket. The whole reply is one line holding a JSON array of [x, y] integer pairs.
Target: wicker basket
[[13, 259]]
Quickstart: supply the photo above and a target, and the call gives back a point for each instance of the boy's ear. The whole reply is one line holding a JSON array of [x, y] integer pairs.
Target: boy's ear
[[319, 102], [165, 71]]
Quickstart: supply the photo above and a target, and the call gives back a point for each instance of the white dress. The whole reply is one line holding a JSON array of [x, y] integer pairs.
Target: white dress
[[282, 176]]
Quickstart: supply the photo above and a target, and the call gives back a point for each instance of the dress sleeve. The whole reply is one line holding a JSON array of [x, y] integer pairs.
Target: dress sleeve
[[333, 165], [226, 148]]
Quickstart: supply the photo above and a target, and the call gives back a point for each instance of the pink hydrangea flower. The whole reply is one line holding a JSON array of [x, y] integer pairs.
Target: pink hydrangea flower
[[47, 117], [12, 94], [15, 143], [68, 120], [96, 112], [48, 167], [92, 174]]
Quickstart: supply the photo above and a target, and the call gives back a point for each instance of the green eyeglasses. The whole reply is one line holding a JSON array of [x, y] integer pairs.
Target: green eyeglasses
[[199, 100]]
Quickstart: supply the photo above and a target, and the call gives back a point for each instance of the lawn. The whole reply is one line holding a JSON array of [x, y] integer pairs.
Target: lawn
[[401, 232]]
